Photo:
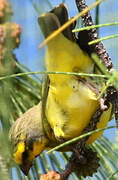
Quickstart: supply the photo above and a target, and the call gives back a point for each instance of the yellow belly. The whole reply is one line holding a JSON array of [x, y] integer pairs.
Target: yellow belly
[[69, 110]]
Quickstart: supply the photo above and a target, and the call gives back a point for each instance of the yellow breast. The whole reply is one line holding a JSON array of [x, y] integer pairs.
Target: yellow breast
[[70, 108]]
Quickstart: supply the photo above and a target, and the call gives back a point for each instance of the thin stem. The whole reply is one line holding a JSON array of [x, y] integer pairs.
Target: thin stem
[[97, 17], [104, 38], [47, 72], [95, 26]]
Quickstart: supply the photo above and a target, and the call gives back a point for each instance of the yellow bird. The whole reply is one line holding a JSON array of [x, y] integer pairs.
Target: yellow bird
[[70, 102]]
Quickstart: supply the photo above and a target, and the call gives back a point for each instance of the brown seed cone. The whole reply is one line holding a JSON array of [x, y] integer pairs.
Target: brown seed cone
[[84, 165], [90, 166]]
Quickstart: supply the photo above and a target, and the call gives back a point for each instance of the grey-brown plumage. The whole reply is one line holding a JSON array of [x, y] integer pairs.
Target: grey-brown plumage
[[28, 125]]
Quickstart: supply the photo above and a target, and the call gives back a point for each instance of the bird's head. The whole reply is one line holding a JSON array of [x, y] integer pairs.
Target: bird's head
[[28, 138], [27, 150]]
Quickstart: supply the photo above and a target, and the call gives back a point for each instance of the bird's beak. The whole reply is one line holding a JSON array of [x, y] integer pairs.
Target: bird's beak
[[25, 168]]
